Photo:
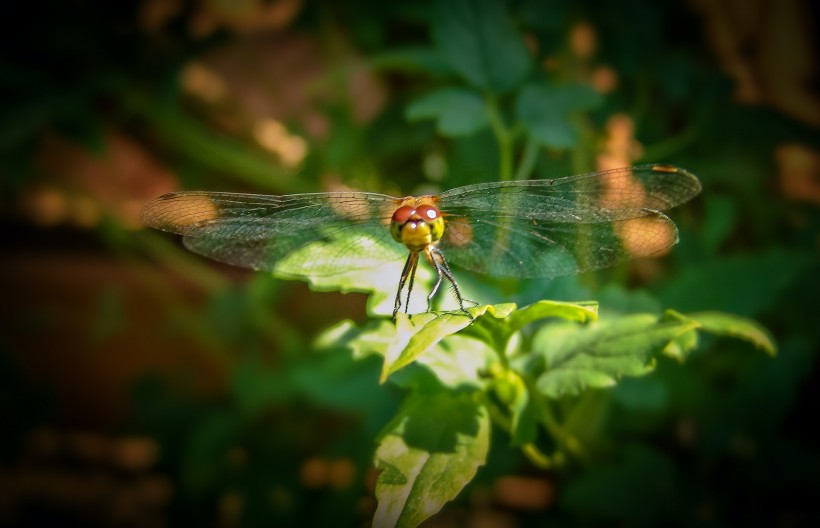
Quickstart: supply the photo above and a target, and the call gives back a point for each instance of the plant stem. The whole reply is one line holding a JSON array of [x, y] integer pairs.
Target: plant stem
[[528, 159], [504, 136], [495, 413], [547, 419], [537, 457]]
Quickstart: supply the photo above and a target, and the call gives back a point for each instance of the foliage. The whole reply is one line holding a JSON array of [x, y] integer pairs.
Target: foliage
[[643, 408]]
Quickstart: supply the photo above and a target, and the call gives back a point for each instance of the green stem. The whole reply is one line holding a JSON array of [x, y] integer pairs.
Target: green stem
[[504, 136], [537, 457], [584, 149], [498, 417], [528, 160], [550, 423]]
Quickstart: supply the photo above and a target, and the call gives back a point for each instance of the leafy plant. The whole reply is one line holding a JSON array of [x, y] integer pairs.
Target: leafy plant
[[511, 366], [462, 379]]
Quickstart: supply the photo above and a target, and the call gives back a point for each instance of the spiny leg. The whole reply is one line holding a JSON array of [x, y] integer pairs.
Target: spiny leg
[[443, 269], [414, 267], [411, 258], [434, 290]]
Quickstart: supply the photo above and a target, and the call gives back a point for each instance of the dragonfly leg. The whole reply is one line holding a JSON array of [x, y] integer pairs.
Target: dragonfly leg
[[413, 267], [434, 290], [409, 271], [443, 269]]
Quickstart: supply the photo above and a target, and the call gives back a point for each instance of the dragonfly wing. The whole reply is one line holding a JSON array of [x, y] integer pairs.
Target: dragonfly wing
[[548, 228], [308, 234]]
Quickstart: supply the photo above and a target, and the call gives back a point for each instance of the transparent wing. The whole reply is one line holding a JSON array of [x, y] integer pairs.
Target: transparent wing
[[548, 228], [260, 231]]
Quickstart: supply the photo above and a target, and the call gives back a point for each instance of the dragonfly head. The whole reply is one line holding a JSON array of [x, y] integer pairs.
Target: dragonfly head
[[417, 227]]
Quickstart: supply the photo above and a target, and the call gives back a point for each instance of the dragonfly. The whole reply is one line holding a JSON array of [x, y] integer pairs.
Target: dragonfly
[[540, 228]]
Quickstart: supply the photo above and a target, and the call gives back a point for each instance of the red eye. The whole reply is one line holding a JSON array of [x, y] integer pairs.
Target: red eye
[[427, 212], [403, 214]]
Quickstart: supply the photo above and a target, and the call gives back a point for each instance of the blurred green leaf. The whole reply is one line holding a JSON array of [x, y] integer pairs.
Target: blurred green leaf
[[578, 357], [430, 451], [681, 346], [731, 325], [255, 385], [647, 394], [721, 215], [457, 111], [524, 417], [744, 285], [545, 111], [206, 452], [481, 43]]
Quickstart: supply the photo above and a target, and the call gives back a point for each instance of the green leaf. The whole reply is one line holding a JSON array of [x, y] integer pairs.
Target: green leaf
[[498, 331], [374, 338], [524, 417], [370, 265], [581, 312], [545, 111], [427, 454], [578, 357], [725, 324], [416, 334], [479, 40], [457, 112], [683, 345], [456, 361]]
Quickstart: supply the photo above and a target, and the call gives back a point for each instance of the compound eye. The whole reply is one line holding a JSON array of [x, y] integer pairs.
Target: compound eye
[[427, 212], [402, 214]]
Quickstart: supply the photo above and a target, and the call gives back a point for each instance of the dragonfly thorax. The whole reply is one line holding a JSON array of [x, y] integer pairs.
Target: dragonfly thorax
[[417, 227]]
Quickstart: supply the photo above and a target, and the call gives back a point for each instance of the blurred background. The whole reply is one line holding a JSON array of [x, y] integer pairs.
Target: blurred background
[[142, 385]]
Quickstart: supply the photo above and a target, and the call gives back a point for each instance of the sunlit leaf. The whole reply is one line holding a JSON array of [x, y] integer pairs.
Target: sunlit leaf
[[503, 326], [725, 324], [457, 360], [427, 454], [577, 357], [416, 334], [582, 312], [351, 261]]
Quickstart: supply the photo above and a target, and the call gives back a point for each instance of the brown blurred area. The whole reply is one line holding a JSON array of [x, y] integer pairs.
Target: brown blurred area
[[80, 316]]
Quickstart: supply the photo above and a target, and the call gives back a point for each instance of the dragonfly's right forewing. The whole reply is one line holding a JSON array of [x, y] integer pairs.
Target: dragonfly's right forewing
[[259, 231]]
